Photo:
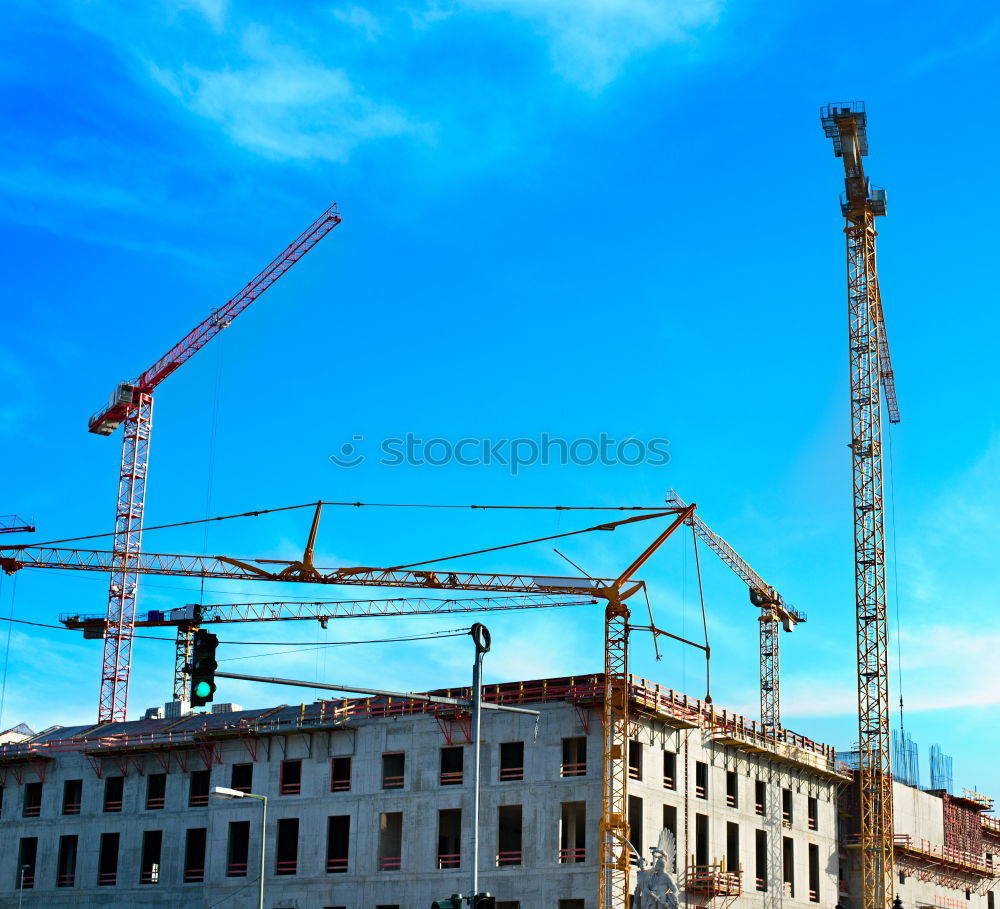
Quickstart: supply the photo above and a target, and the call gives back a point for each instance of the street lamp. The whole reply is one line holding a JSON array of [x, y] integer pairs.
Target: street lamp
[[225, 793], [20, 889]]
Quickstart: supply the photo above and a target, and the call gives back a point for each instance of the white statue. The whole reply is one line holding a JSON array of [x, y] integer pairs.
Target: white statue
[[655, 887]]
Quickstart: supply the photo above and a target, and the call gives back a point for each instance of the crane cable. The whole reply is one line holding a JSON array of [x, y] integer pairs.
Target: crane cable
[[262, 511], [6, 658], [895, 582]]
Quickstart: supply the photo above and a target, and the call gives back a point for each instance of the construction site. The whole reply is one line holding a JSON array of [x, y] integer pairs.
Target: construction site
[[555, 791]]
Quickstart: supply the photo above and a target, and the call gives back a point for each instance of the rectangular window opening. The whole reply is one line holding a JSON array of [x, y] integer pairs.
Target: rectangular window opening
[[107, 862], [241, 777], [788, 865], [573, 832], [114, 791], [812, 812], [66, 861], [393, 769], [760, 797], [574, 756], [156, 791], [338, 838], [733, 848], [194, 855], [669, 770], [701, 855], [452, 765], [198, 791], [701, 780], [290, 778], [27, 858], [72, 796], [511, 761], [732, 789], [390, 841], [449, 854], [149, 868], [670, 823], [635, 760], [635, 826], [760, 860], [32, 800], [287, 850], [786, 807], [813, 873], [340, 774], [509, 834], [238, 849]]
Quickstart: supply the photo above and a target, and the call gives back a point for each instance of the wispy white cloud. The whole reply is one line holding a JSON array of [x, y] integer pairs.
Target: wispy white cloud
[[281, 104], [591, 40], [213, 10], [360, 18]]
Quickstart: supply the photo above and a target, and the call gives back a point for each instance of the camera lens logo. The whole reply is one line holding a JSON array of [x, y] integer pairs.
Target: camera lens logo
[[349, 456]]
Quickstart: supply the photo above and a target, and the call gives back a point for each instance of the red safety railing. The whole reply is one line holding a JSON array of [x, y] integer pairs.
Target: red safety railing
[[451, 778], [643, 694], [668, 782], [32, 810], [107, 879], [112, 805], [714, 881], [450, 860], [730, 800], [336, 865], [758, 808], [153, 803], [969, 861], [236, 869], [813, 896], [813, 824], [393, 782], [512, 857], [760, 884], [701, 792], [65, 880], [198, 800], [389, 863], [569, 856], [512, 773], [27, 881], [71, 807], [578, 769], [289, 866], [194, 875], [634, 773], [152, 876]]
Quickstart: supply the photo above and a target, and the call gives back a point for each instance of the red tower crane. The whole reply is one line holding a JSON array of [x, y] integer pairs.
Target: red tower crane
[[132, 404], [11, 523]]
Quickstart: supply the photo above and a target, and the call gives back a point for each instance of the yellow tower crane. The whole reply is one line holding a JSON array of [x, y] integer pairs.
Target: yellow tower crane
[[846, 125]]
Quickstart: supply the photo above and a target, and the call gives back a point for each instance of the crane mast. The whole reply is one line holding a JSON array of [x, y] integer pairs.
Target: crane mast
[[774, 612], [846, 125], [131, 404]]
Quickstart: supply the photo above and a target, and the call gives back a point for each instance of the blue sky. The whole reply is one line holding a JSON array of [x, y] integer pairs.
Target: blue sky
[[570, 218]]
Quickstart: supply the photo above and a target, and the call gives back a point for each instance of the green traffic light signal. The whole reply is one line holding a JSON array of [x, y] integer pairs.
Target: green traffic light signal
[[202, 667]]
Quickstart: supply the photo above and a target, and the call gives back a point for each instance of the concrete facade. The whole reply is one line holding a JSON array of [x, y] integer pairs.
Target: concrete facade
[[692, 767]]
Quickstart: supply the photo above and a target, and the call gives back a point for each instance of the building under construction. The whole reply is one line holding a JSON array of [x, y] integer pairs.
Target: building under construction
[[369, 801]]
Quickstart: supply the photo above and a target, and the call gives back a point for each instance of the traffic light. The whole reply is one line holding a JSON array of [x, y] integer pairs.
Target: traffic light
[[203, 666], [484, 901], [452, 902]]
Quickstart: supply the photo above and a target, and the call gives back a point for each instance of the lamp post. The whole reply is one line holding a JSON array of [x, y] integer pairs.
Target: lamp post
[[481, 638], [20, 889], [225, 793]]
